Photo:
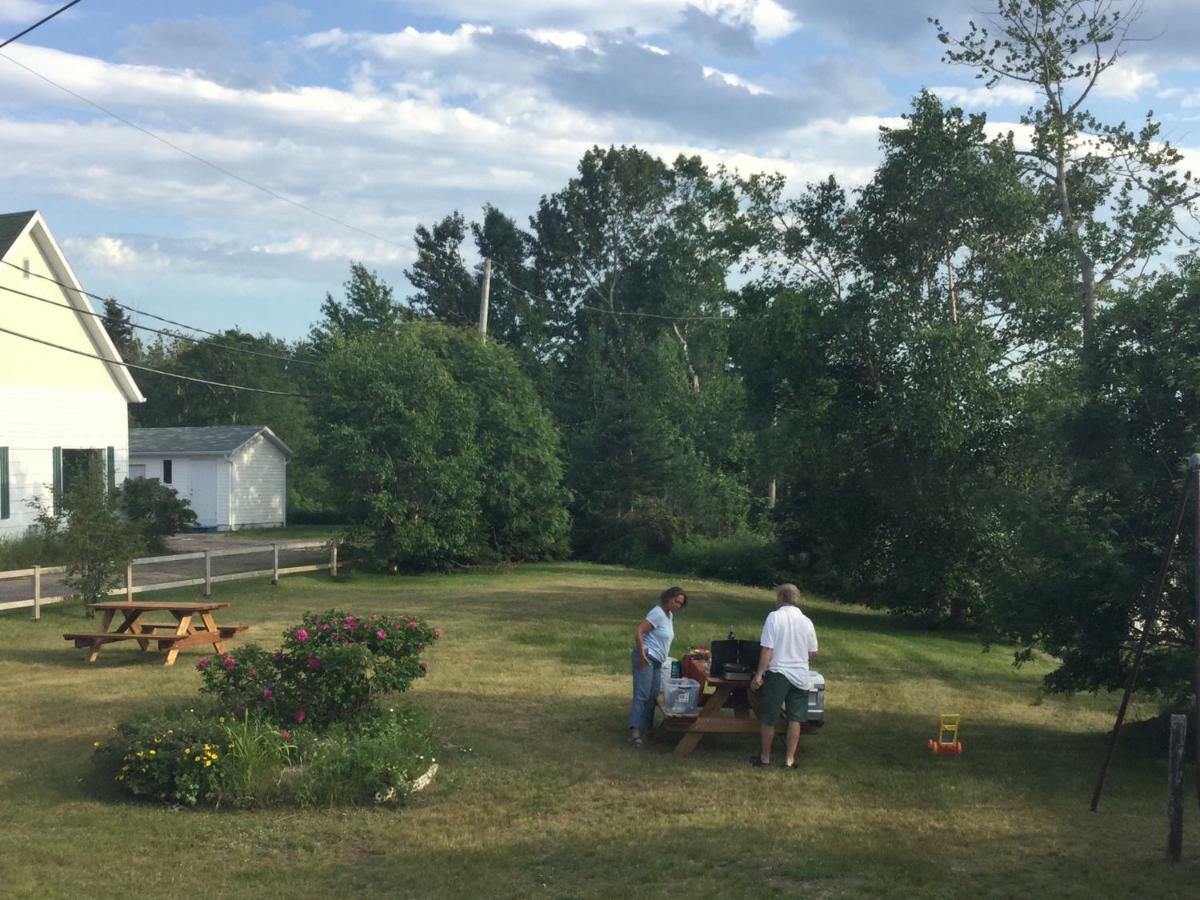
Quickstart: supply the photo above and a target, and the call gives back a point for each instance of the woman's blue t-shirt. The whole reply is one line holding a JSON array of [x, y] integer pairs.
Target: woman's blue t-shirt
[[658, 640]]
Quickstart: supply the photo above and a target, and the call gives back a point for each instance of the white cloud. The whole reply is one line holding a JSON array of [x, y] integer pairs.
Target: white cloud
[[23, 11], [769, 20], [1126, 80], [984, 97], [109, 253], [563, 40], [733, 80]]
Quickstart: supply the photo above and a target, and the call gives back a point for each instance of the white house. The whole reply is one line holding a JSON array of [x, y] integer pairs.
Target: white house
[[235, 475], [63, 394]]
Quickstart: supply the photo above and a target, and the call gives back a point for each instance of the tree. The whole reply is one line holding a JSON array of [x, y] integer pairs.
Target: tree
[[100, 542], [444, 453], [369, 307], [120, 330], [1116, 191], [445, 289]]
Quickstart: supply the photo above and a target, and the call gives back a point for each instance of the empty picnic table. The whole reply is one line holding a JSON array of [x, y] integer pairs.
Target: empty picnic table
[[168, 637], [726, 693]]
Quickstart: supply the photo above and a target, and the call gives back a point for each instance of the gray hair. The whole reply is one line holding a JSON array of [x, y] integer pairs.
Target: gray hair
[[789, 594]]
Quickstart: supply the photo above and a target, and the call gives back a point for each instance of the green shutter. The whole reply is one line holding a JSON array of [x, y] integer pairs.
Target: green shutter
[[58, 481], [4, 483], [110, 458]]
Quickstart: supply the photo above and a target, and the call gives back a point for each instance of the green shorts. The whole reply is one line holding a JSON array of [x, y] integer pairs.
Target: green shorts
[[777, 692]]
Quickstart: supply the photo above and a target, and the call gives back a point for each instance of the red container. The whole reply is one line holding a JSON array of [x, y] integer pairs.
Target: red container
[[696, 668]]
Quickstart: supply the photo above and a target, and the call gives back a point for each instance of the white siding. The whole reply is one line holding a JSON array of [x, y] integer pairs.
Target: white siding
[[35, 419], [187, 478], [258, 494]]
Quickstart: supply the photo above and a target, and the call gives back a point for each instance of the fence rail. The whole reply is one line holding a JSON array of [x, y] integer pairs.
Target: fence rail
[[36, 573]]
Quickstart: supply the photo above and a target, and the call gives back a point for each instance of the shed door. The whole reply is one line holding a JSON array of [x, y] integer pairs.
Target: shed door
[[203, 492]]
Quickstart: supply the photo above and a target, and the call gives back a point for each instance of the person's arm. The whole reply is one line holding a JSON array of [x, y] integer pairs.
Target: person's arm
[[639, 638], [764, 660]]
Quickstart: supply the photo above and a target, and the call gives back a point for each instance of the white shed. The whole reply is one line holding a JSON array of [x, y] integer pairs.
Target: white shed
[[64, 392], [235, 476]]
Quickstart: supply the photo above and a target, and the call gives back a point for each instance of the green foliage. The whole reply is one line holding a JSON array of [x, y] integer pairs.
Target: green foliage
[[36, 547], [98, 540], [748, 558], [332, 668], [173, 757], [443, 450], [155, 509]]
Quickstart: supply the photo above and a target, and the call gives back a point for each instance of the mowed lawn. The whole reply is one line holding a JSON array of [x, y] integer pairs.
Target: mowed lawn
[[539, 796]]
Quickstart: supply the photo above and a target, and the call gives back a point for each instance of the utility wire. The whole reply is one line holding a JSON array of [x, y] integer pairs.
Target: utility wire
[[39, 22], [132, 309], [170, 334], [200, 159], [498, 273], [115, 362]]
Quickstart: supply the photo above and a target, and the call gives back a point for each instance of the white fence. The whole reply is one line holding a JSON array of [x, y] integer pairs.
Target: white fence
[[37, 573]]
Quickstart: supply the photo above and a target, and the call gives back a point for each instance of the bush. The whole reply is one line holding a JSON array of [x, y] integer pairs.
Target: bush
[[174, 757], [332, 668], [747, 559], [155, 509], [99, 542], [36, 547]]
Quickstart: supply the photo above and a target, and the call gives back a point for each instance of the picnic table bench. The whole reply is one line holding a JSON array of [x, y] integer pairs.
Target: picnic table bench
[[727, 693], [165, 637]]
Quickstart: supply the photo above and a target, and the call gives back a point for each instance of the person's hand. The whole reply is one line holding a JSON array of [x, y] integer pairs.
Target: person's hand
[[756, 682]]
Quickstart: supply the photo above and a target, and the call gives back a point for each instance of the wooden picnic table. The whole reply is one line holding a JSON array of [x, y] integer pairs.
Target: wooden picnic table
[[168, 637], [727, 693]]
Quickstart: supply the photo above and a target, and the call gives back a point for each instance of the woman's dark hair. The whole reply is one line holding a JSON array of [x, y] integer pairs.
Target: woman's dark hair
[[671, 593]]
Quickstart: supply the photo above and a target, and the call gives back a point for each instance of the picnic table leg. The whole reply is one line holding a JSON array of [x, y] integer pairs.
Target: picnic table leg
[[94, 651], [133, 626], [185, 628], [713, 707], [210, 626]]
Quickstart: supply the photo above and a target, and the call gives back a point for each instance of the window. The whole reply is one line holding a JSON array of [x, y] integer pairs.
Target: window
[[166, 471]]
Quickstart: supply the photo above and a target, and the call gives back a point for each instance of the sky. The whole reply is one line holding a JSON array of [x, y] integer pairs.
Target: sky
[[386, 114]]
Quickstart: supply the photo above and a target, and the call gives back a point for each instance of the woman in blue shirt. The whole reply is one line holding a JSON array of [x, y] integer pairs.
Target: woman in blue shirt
[[651, 648]]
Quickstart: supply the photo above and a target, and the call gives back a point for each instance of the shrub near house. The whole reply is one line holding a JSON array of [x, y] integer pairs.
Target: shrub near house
[[302, 724]]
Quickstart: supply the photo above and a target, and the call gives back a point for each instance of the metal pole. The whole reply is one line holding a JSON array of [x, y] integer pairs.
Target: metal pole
[[1189, 486], [483, 298]]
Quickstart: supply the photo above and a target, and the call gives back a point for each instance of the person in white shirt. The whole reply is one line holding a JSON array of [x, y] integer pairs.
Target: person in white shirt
[[651, 648], [789, 644]]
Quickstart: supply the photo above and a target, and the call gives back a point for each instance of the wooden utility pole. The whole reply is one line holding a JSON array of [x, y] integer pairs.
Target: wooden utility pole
[[483, 298], [1175, 788]]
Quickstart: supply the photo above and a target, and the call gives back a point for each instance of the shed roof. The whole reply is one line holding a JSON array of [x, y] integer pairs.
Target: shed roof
[[11, 226], [213, 439]]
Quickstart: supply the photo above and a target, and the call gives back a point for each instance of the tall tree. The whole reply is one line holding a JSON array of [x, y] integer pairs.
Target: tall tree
[[120, 329], [1116, 191], [368, 307]]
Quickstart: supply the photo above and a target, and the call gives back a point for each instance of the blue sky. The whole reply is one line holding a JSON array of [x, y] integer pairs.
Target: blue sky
[[386, 114]]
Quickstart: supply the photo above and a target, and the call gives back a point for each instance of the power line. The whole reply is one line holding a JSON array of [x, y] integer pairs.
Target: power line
[[39, 22], [134, 309], [170, 334], [499, 274], [200, 159], [115, 362]]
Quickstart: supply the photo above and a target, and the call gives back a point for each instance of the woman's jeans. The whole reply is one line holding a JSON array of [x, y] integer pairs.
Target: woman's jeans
[[645, 694]]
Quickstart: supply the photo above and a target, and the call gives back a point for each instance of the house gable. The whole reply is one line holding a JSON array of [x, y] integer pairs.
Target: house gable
[[31, 251]]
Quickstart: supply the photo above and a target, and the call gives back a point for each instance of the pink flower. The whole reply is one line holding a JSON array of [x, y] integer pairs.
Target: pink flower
[[412, 626], [285, 734], [346, 626], [301, 635], [437, 632], [298, 715], [228, 662], [267, 694], [324, 626], [203, 664], [314, 663], [381, 634], [253, 672]]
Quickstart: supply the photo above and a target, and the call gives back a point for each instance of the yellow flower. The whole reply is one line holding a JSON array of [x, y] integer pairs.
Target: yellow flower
[[139, 754], [220, 720], [187, 750], [208, 762], [96, 744], [153, 752]]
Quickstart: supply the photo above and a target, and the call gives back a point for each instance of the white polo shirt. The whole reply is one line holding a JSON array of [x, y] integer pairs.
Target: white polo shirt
[[791, 636]]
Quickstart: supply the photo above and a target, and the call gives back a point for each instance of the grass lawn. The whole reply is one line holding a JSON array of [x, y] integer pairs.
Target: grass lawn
[[539, 796]]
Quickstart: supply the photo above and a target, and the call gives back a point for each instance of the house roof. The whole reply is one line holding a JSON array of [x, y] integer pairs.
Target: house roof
[[11, 226], [213, 439]]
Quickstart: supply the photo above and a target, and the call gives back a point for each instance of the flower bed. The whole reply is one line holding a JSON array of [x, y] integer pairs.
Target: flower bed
[[304, 724]]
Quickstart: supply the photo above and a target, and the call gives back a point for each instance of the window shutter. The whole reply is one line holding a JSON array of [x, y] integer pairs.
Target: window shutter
[[4, 513], [58, 481], [110, 459]]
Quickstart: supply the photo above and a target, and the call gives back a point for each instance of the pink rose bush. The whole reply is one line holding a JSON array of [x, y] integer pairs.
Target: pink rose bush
[[332, 668]]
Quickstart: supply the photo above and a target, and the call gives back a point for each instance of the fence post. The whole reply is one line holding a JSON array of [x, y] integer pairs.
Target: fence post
[[1175, 788], [129, 583], [275, 563], [37, 593], [207, 573], [333, 558]]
